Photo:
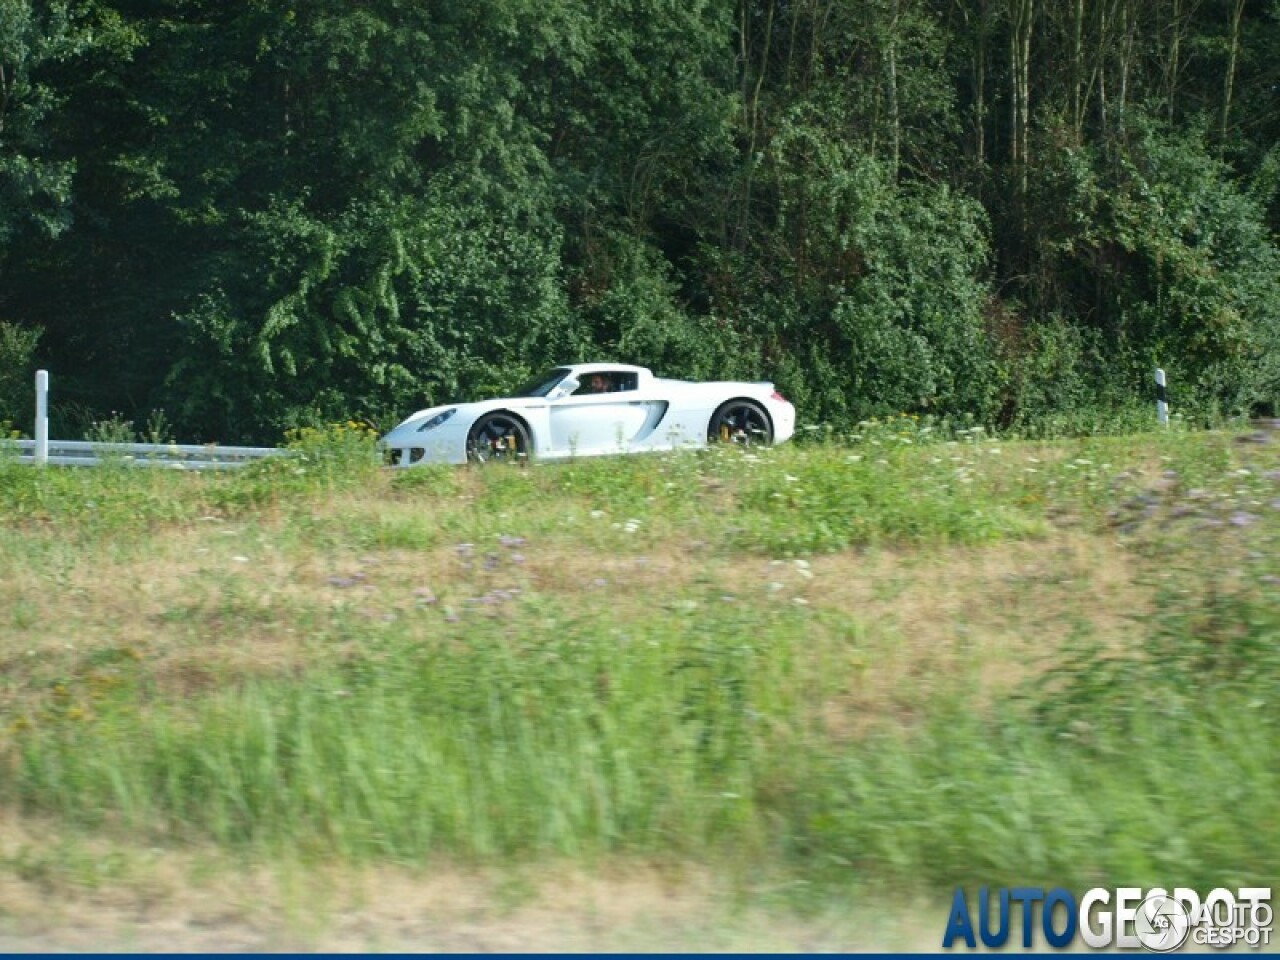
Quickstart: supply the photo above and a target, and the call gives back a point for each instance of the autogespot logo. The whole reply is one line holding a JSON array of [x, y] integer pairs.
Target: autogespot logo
[[1127, 918], [1162, 923]]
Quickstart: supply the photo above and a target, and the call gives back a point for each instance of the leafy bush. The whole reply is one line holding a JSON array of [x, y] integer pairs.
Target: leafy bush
[[17, 349]]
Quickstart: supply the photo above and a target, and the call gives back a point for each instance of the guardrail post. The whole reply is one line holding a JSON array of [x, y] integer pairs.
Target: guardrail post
[[1162, 399], [41, 453]]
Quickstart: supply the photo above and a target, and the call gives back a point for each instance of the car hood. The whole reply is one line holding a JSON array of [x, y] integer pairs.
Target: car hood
[[467, 412], [422, 415]]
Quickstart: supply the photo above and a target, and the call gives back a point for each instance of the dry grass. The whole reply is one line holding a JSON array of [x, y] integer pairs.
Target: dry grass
[[198, 900], [884, 634], [217, 600]]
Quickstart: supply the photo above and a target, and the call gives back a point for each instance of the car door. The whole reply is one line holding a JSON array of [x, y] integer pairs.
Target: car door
[[606, 422]]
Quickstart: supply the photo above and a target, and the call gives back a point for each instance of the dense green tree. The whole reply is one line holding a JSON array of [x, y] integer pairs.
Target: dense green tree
[[259, 214], [35, 183]]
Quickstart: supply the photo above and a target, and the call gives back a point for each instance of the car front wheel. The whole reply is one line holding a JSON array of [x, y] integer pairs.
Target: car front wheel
[[498, 438]]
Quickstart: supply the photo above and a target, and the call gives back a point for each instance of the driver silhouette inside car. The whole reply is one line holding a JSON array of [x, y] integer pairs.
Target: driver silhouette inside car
[[599, 383]]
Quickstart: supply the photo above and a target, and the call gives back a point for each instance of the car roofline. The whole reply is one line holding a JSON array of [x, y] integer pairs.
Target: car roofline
[[594, 367]]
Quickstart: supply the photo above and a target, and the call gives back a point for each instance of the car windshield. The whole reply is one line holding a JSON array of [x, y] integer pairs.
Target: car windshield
[[542, 385]]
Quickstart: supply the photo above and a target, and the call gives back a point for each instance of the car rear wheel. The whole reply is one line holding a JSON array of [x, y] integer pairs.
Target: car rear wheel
[[741, 422], [498, 438]]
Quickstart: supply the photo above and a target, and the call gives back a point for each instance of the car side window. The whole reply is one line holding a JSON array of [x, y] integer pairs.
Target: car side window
[[607, 381], [595, 383]]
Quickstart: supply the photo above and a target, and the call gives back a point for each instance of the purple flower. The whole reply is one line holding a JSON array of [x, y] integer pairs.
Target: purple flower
[[1242, 519]]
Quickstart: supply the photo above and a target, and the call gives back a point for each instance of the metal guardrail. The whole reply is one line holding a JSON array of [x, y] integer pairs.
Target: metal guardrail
[[181, 456], [90, 453]]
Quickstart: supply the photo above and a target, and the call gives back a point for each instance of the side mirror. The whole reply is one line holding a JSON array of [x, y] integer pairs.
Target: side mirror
[[565, 387]]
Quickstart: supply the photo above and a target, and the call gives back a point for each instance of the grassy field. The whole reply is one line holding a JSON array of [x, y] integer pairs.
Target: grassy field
[[822, 675]]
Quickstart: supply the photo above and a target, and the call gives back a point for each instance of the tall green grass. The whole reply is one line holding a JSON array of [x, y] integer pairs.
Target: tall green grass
[[696, 736], [539, 723]]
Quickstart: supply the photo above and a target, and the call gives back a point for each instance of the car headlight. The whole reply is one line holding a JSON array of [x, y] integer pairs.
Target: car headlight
[[438, 419]]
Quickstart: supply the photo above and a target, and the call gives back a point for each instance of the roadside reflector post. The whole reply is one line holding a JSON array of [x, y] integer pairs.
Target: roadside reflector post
[[1162, 399], [42, 417]]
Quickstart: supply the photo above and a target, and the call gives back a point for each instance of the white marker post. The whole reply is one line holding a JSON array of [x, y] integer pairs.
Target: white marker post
[[1162, 399], [42, 417]]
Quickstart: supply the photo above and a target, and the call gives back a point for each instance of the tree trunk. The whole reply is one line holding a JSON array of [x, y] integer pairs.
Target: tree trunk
[[1233, 56], [895, 120], [1077, 73], [1022, 14]]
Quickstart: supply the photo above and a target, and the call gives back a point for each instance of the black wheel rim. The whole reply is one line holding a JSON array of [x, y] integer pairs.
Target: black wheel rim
[[497, 440], [742, 425]]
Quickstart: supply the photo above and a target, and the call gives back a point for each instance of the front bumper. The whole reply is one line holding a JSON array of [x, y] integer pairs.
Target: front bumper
[[404, 448]]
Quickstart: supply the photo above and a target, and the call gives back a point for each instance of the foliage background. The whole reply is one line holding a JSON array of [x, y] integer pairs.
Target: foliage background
[[262, 215]]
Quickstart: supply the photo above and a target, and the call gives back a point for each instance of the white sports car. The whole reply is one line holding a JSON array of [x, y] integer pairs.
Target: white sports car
[[588, 409]]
